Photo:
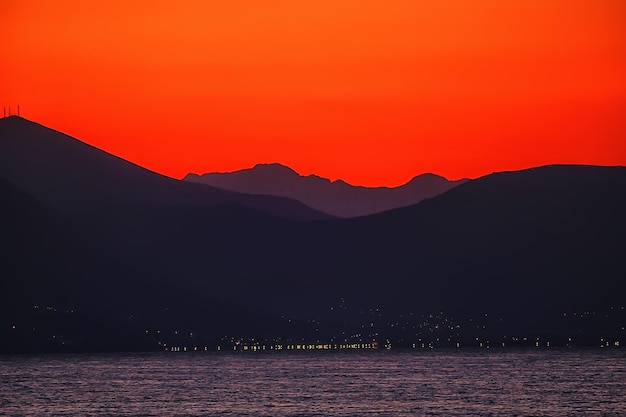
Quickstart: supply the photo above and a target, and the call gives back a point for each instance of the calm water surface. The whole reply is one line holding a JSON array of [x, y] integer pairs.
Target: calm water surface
[[432, 383]]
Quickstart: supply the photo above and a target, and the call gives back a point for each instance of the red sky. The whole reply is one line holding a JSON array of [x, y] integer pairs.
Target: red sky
[[373, 92]]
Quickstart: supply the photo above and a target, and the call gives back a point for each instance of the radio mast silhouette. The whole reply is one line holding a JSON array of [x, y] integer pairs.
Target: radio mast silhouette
[[9, 113]]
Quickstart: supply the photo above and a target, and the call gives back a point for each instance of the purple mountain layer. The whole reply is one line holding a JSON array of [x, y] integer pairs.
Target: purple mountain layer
[[336, 198], [73, 177]]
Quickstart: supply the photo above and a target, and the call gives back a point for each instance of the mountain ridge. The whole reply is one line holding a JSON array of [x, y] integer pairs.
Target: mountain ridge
[[337, 198], [73, 176], [278, 167]]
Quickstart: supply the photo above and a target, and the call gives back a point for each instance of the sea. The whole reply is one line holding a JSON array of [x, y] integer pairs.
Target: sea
[[463, 382]]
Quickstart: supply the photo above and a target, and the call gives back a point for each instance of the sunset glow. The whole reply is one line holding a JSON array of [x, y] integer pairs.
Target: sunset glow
[[373, 92]]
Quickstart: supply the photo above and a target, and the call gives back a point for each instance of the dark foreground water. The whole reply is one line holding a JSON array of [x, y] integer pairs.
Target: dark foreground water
[[431, 383]]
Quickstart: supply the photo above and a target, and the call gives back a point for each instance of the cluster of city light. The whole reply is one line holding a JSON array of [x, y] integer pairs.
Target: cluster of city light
[[279, 347], [417, 331]]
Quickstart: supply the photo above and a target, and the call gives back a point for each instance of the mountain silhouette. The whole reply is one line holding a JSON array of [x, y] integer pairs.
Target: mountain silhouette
[[337, 198], [73, 177], [536, 253], [541, 234]]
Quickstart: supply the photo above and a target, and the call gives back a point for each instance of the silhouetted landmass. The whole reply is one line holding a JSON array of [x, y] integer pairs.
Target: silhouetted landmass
[[74, 177], [337, 198], [507, 258]]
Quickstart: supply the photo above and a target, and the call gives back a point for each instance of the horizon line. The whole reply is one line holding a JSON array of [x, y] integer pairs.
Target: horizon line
[[312, 174]]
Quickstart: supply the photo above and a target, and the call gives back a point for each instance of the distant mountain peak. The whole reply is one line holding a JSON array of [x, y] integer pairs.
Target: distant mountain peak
[[336, 197], [428, 175], [275, 167]]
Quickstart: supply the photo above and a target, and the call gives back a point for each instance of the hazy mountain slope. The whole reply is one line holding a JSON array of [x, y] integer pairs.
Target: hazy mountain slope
[[337, 198], [72, 176]]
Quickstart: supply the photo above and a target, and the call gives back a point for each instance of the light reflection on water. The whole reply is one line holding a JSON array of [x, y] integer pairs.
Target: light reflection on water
[[432, 383]]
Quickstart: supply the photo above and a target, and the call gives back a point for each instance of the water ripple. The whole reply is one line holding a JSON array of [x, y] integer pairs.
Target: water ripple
[[433, 383]]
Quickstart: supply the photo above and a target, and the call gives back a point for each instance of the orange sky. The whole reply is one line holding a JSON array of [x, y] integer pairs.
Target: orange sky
[[373, 92]]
